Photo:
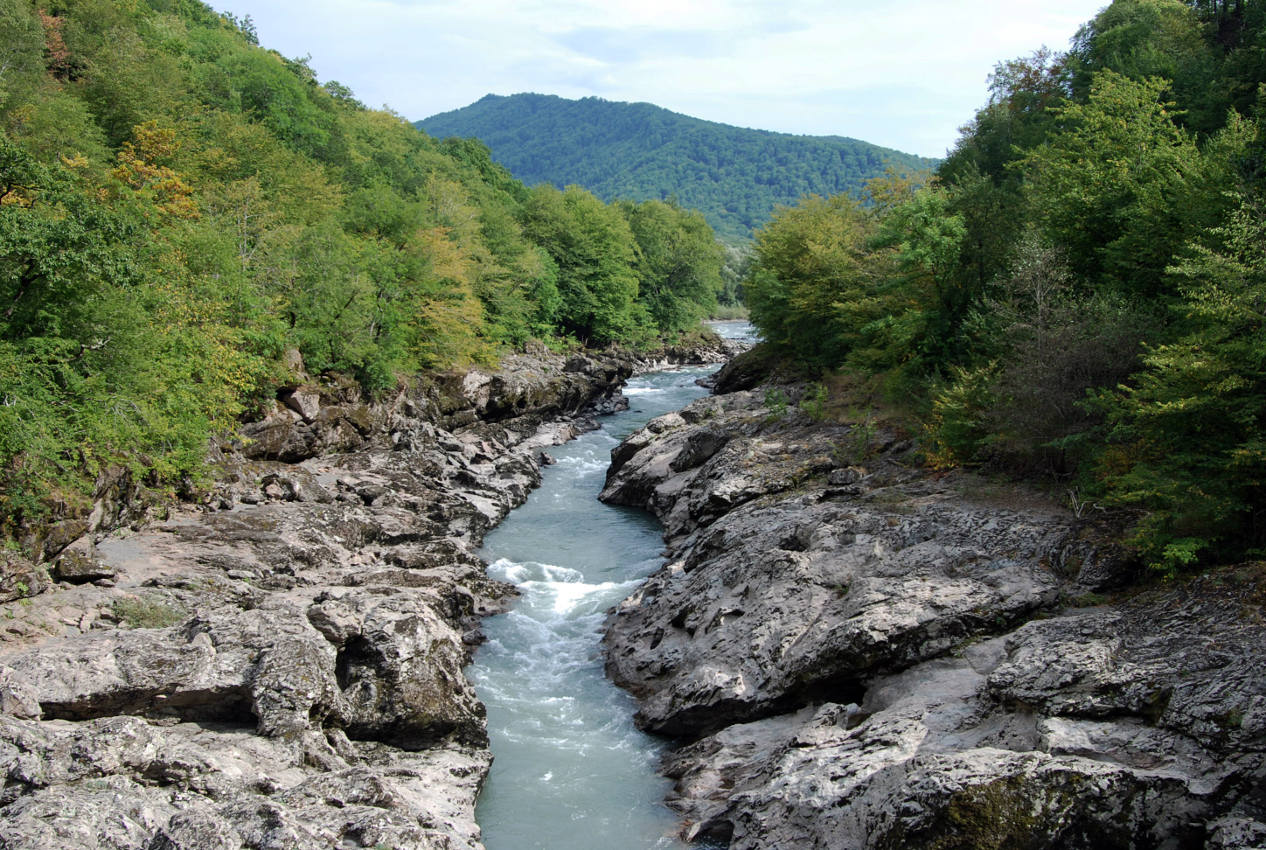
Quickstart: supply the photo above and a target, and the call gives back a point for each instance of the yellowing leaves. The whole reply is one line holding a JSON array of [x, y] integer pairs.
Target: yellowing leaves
[[447, 259], [448, 318], [139, 167]]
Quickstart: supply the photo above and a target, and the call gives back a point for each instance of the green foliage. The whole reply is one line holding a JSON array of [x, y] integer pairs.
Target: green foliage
[[1150, 39], [1190, 433], [811, 288], [927, 236], [814, 403], [736, 177], [1079, 291], [776, 402], [736, 264], [957, 427], [179, 207], [21, 50], [594, 249], [1039, 346], [147, 612], [1111, 183], [678, 263], [856, 447]]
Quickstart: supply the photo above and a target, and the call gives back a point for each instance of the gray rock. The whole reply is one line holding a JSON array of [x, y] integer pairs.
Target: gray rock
[[282, 436], [59, 535], [867, 656], [17, 697], [777, 597], [286, 671], [294, 485], [701, 445], [305, 401], [211, 787], [79, 563], [19, 578], [997, 748], [195, 830]]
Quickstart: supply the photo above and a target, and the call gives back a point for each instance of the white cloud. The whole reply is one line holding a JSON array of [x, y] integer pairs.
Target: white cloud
[[905, 74]]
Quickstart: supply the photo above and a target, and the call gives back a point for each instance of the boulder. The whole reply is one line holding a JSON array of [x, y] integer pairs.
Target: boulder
[[305, 401], [1051, 737], [209, 788], [19, 578], [79, 563]]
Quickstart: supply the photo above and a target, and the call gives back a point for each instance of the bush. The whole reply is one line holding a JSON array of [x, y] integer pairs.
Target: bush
[[147, 612], [957, 429]]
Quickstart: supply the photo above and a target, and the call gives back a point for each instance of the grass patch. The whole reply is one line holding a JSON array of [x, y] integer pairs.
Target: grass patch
[[140, 612]]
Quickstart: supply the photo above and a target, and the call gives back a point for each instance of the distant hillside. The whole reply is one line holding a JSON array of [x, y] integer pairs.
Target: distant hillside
[[734, 176]]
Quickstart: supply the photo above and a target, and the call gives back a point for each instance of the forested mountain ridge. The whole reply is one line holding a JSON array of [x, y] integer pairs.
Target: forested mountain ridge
[[1078, 293], [735, 176], [181, 208]]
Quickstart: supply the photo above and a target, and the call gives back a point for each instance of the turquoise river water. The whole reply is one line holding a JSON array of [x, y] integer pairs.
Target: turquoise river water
[[571, 772]]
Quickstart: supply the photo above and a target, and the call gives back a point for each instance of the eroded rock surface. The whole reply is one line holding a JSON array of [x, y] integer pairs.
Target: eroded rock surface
[[863, 655], [281, 667]]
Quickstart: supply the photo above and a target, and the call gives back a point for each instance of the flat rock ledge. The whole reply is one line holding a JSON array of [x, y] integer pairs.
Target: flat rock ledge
[[856, 653], [280, 666]]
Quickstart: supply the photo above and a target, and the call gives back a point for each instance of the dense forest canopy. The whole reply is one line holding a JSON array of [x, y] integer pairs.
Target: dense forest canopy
[[734, 176], [180, 207], [1081, 290]]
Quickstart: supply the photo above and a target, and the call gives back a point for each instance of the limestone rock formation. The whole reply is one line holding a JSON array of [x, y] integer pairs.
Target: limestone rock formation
[[281, 665], [861, 654]]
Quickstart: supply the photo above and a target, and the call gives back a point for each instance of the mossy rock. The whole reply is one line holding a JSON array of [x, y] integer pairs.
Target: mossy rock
[[19, 578]]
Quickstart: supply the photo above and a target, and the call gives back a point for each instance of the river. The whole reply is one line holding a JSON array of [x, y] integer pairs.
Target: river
[[571, 770]]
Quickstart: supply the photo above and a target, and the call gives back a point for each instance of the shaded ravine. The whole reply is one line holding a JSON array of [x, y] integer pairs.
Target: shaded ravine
[[570, 769]]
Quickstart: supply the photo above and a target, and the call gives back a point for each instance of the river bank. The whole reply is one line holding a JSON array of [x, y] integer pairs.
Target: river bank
[[858, 653], [281, 664]]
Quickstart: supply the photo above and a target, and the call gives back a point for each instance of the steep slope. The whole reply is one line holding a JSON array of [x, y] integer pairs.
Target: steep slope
[[734, 176], [180, 207]]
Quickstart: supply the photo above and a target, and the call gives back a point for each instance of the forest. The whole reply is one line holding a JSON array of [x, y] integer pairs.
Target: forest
[[734, 176], [181, 208], [1079, 292]]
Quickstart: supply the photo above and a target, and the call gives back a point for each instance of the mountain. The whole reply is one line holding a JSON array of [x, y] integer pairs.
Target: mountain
[[734, 176]]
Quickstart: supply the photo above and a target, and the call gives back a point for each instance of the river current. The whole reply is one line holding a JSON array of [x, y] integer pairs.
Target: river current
[[571, 771]]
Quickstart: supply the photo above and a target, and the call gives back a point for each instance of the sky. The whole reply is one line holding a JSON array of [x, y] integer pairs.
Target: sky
[[904, 74]]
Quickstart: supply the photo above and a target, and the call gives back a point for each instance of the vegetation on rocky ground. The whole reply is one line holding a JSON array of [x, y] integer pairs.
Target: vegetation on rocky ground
[[1080, 292], [179, 207]]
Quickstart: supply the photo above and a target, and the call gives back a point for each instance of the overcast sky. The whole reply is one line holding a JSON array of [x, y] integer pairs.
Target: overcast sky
[[904, 74]]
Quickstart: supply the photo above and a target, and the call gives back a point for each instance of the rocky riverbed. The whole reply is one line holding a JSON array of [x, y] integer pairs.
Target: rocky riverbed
[[280, 664], [858, 653]]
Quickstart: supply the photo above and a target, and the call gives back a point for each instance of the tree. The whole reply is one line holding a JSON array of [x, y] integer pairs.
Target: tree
[[1142, 39], [593, 248], [20, 48], [810, 291], [1189, 442], [1113, 184], [678, 263], [927, 238], [58, 250]]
